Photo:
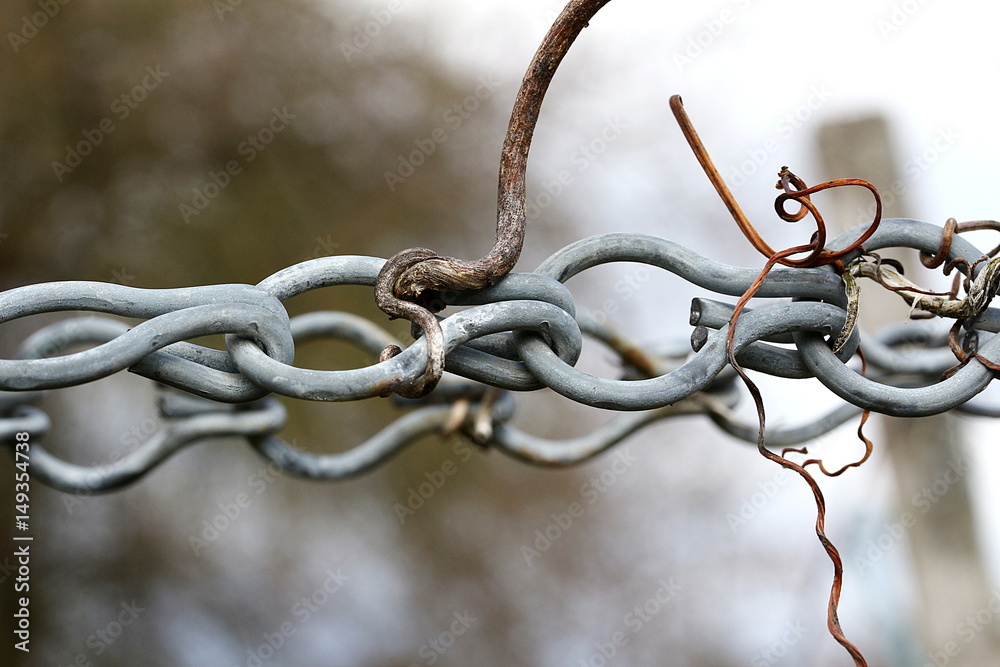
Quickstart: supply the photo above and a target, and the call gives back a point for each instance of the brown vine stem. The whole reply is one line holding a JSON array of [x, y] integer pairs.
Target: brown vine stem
[[409, 278], [794, 189]]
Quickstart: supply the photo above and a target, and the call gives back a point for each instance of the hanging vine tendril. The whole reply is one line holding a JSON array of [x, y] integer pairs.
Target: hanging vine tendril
[[816, 254]]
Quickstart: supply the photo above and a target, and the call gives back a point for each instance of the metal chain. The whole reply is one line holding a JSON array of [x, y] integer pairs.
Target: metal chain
[[520, 335]]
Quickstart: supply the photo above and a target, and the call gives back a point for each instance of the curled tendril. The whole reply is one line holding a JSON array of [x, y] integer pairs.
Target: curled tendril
[[796, 190], [816, 254]]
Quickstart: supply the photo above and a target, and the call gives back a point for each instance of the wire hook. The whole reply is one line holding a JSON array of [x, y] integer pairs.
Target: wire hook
[[405, 282]]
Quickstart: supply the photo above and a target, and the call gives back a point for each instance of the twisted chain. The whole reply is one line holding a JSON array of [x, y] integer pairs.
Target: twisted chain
[[520, 335]]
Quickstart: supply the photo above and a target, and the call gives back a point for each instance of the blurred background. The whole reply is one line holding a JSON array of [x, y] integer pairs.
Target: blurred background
[[171, 94]]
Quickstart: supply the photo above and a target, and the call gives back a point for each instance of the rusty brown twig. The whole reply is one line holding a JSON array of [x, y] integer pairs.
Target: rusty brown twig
[[816, 254], [405, 285]]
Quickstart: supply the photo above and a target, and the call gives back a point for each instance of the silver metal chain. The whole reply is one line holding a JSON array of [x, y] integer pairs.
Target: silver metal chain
[[519, 335]]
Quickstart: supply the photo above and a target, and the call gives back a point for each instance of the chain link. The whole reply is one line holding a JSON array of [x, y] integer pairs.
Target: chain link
[[519, 335]]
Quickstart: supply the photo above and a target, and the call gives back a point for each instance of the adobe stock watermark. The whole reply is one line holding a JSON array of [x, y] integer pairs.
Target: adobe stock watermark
[[121, 108], [102, 639], [129, 441], [753, 503], [363, 35], [302, 610], [581, 159], [325, 246], [122, 277], [914, 167], [707, 33], [632, 624], [434, 480], [894, 531], [792, 635], [229, 512], [452, 121], [784, 128], [7, 570], [899, 16], [966, 631], [248, 149], [223, 7], [627, 287], [590, 491], [31, 24], [437, 646]]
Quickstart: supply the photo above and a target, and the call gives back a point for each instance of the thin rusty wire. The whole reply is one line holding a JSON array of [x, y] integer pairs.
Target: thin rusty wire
[[952, 227], [965, 352], [794, 189], [869, 446], [964, 277]]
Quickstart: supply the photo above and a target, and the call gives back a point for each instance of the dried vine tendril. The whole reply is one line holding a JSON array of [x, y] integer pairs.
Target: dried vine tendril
[[979, 292], [816, 254]]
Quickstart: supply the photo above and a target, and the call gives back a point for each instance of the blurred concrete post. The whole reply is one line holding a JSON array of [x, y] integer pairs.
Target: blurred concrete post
[[927, 454]]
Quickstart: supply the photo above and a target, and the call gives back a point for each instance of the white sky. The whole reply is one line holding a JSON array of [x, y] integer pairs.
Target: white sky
[[934, 71]]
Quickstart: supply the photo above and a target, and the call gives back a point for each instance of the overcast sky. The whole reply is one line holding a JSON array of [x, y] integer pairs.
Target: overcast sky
[[744, 65]]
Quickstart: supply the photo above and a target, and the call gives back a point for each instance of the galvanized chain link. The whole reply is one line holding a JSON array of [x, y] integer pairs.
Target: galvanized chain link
[[519, 335]]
